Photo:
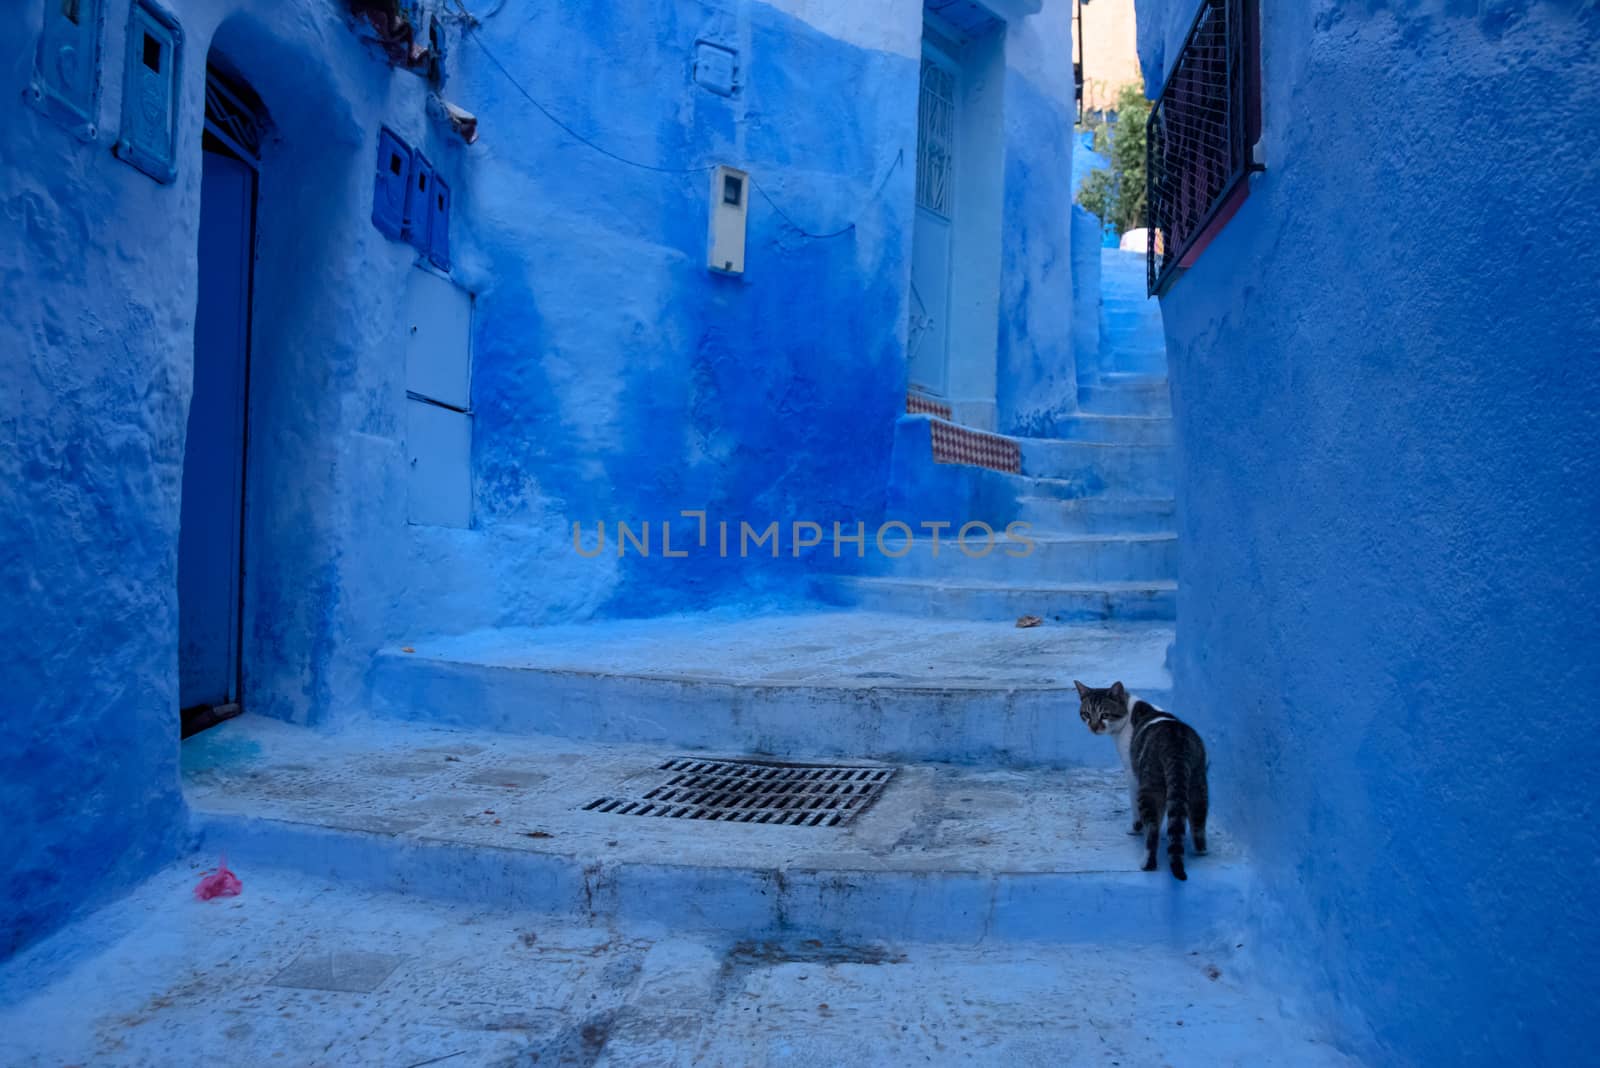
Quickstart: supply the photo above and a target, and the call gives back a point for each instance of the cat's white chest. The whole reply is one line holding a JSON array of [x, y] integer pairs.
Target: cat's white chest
[[1125, 746]]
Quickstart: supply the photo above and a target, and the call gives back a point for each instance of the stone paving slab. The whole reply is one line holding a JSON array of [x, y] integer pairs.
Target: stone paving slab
[[808, 684], [159, 979], [526, 794], [847, 649], [945, 853]]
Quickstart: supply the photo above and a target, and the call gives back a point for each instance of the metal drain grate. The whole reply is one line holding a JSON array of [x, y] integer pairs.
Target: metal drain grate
[[756, 791]]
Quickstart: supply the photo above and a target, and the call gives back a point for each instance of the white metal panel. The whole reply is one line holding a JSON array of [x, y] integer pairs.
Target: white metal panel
[[439, 457], [730, 207], [437, 319]]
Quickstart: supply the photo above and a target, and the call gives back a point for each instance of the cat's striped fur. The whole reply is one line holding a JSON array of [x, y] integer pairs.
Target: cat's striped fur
[[1166, 765]]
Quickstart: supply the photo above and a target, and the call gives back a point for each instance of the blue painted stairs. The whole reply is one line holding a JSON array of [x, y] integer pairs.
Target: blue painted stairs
[[1097, 498]]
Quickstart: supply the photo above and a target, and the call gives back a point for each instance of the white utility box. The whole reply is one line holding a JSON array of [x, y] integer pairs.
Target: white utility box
[[730, 207]]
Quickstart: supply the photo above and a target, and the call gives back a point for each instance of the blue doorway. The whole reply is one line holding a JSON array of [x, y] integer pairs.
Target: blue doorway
[[211, 517]]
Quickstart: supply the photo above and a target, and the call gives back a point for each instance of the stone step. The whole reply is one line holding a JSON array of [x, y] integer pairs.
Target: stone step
[[1128, 470], [1058, 602], [451, 983], [1129, 345], [1151, 361], [1152, 398], [1028, 558], [1093, 515], [1121, 318], [800, 685], [1116, 429], [921, 490], [943, 854]]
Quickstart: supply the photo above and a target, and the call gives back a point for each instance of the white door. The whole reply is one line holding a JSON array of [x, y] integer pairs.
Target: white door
[[928, 336]]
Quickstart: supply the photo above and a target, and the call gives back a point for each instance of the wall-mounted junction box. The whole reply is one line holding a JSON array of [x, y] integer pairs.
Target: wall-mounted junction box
[[150, 91], [66, 70], [730, 207], [716, 68]]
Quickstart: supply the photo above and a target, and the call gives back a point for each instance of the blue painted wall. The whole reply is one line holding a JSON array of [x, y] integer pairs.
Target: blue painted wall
[[1037, 378], [1384, 388], [615, 378]]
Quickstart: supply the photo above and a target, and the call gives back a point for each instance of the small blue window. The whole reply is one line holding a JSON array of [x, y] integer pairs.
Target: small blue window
[[66, 71], [389, 189], [419, 201], [150, 92], [439, 225]]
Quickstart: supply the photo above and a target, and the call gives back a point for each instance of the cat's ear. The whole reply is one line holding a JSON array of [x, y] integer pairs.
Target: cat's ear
[[1117, 691], [1083, 691]]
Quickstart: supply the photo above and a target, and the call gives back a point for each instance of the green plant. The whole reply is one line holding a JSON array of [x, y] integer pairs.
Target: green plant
[[1116, 193]]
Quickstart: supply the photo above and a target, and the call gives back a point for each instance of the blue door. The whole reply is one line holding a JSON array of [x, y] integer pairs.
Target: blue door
[[213, 458]]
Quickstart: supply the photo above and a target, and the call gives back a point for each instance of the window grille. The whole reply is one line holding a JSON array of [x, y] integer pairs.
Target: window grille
[[1199, 137], [936, 135], [232, 116]]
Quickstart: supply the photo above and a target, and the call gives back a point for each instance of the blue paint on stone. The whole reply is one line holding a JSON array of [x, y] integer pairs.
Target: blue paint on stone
[[1389, 476], [1037, 380], [615, 378]]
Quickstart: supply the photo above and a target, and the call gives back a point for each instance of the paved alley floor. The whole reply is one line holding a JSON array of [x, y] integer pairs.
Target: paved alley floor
[[299, 972], [528, 795]]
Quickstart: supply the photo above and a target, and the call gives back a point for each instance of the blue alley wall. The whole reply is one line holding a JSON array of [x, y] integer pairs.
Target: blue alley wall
[[1037, 378], [614, 377], [1385, 398], [617, 379]]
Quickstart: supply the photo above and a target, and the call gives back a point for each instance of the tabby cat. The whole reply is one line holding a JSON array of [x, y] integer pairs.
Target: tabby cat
[[1166, 765]]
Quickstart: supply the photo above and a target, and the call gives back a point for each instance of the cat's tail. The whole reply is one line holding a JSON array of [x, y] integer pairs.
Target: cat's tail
[[1177, 775]]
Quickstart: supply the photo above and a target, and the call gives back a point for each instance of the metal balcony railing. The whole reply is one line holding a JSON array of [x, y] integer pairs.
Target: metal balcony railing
[[1199, 137]]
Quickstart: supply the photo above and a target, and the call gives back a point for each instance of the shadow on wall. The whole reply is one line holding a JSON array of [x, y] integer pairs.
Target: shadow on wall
[[314, 315]]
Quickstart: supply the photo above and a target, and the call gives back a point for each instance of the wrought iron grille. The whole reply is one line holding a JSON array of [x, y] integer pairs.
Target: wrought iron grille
[[756, 791], [1199, 135], [233, 117], [936, 137]]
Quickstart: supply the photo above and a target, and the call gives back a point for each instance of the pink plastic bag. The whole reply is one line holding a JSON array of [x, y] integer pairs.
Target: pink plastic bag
[[219, 883]]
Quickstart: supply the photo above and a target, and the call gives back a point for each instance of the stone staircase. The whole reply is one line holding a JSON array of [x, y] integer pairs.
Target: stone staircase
[[1098, 496]]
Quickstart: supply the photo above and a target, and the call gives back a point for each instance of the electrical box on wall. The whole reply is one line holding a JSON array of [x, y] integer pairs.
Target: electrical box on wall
[[716, 68], [438, 351], [730, 206], [66, 71], [150, 92]]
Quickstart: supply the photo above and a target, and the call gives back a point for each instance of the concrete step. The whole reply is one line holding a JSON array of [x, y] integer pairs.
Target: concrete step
[[923, 491], [1129, 470], [1094, 515], [1148, 361], [1151, 600], [800, 685], [1028, 558], [1116, 429], [448, 982], [1150, 398], [943, 854]]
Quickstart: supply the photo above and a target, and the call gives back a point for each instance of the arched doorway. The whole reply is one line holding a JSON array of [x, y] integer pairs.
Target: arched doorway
[[211, 524]]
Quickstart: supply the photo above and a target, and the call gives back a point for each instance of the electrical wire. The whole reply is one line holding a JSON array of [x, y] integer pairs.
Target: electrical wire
[[470, 24]]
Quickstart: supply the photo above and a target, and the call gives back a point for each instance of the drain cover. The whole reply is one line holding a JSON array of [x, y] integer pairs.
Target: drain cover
[[756, 791]]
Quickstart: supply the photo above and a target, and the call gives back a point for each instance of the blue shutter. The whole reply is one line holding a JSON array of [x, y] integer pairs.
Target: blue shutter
[[419, 201], [439, 225], [389, 188]]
